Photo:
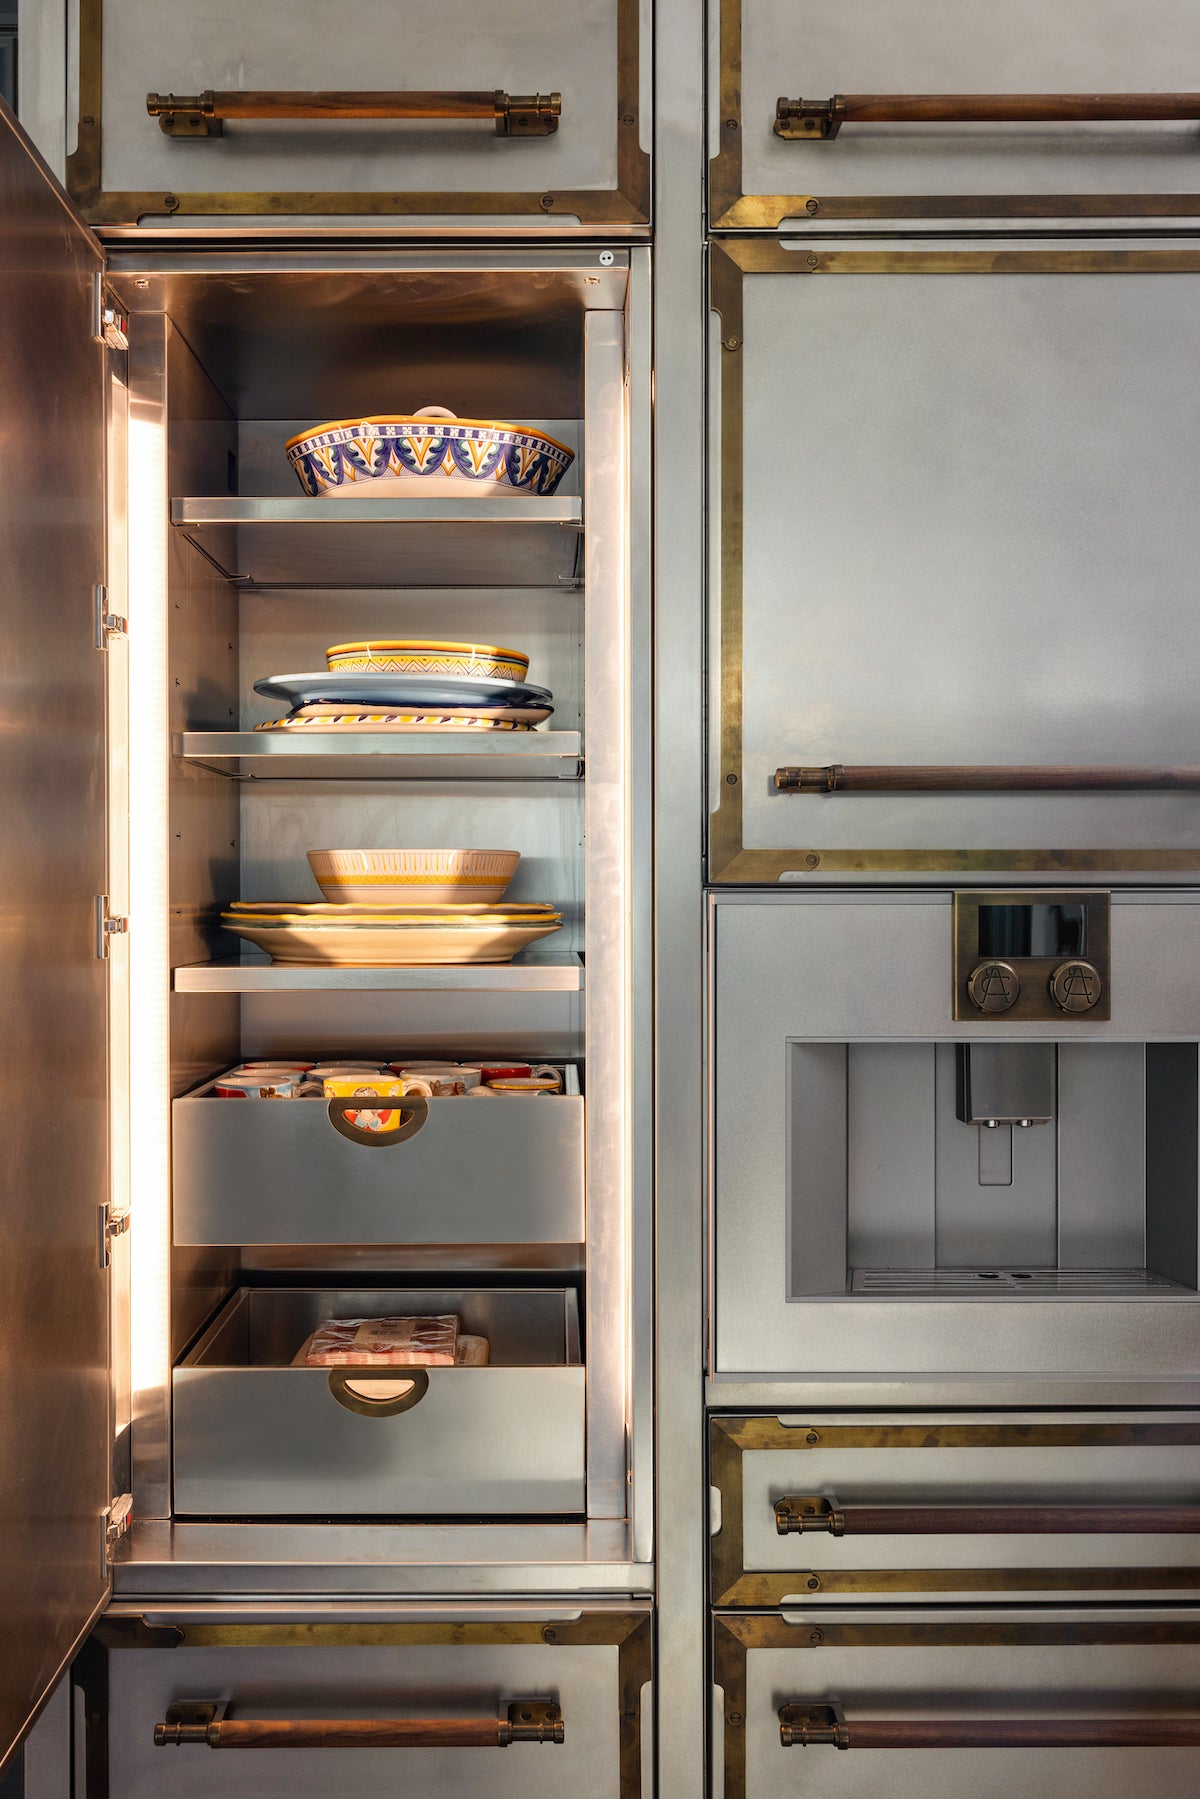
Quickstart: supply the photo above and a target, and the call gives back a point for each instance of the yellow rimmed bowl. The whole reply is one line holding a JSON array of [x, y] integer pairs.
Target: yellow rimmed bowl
[[427, 656], [429, 451], [432, 877]]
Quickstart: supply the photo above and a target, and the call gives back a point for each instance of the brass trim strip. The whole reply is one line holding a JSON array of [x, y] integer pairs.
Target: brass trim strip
[[626, 204], [732, 209], [755, 1591], [731, 261]]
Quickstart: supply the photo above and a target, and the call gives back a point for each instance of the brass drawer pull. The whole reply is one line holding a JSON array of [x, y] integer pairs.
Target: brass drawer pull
[[801, 1726], [813, 1512], [204, 115], [413, 1110], [816, 120], [396, 1389], [208, 1723], [1036, 778]]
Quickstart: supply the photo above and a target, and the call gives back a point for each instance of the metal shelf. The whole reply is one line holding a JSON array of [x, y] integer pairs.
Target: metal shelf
[[360, 543], [385, 755], [550, 972]]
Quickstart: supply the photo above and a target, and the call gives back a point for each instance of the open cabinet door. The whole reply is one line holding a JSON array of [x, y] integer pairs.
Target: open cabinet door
[[54, 1106]]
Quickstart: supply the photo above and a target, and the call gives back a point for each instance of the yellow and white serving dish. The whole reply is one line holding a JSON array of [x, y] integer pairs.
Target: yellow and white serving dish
[[427, 656], [434, 876], [398, 943]]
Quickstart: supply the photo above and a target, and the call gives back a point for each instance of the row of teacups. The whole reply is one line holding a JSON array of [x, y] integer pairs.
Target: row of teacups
[[342, 1080]]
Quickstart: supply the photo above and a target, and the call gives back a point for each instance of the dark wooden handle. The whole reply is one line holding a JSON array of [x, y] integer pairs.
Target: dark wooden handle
[[801, 1726], [513, 115], [1035, 778], [823, 119], [358, 1733], [792, 1517]]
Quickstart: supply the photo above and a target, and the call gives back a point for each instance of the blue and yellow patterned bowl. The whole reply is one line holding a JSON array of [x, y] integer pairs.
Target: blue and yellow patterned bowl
[[374, 456]]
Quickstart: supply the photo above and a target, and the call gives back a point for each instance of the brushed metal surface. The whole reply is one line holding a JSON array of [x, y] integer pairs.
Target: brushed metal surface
[[970, 488], [54, 1413], [376, 756], [190, 48], [533, 972], [258, 1173], [935, 47], [826, 970], [255, 1435]]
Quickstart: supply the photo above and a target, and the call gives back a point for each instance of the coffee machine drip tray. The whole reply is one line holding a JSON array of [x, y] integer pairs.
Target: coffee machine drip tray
[[1014, 1283]]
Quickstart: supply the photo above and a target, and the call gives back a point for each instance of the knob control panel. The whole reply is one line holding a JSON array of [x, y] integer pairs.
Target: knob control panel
[[1032, 956]]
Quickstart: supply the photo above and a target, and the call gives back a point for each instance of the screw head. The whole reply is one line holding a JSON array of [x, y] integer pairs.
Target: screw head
[[735, 1717], [627, 118], [170, 201], [812, 206], [549, 1635], [731, 780], [546, 202], [812, 1583], [606, 259], [814, 262], [816, 1636], [731, 124], [811, 861], [731, 343], [812, 1436]]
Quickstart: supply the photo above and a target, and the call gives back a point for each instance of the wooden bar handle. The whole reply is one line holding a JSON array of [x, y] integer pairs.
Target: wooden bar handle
[[797, 1516], [801, 1726], [1034, 778], [204, 115], [823, 119], [207, 1723]]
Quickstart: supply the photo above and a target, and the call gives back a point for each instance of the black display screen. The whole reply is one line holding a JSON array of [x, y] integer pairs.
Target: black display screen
[[1033, 930]]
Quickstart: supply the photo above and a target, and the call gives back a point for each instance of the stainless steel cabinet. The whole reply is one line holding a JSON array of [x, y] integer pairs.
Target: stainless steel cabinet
[[955, 528], [911, 1704], [925, 109], [399, 1699], [1041, 1505], [432, 114]]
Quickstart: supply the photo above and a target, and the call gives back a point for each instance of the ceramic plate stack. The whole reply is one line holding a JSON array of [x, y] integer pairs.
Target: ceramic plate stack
[[399, 909], [411, 684]]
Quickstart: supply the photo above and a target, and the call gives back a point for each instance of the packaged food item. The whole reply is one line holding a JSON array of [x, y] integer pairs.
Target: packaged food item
[[472, 1352], [385, 1342]]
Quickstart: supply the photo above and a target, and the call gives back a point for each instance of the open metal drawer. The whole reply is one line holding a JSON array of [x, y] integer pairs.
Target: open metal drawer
[[1035, 1504], [255, 1435], [499, 1172], [384, 1700], [928, 1704]]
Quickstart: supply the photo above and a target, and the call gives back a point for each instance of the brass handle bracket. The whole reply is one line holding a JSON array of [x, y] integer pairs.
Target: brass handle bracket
[[809, 780], [795, 1515], [204, 115], [803, 1725], [809, 118], [533, 1721]]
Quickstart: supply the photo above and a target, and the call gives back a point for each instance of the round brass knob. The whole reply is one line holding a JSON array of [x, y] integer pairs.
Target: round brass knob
[[1075, 986], [993, 986]]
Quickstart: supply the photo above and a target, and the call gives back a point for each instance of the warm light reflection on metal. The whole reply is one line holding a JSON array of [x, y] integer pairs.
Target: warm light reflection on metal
[[149, 975]]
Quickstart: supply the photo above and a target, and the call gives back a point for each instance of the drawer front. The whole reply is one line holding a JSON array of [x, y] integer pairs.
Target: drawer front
[[1034, 1504], [452, 1671], [835, 1012], [1101, 1704], [962, 538], [485, 116], [255, 1172], [277, 1441], [899, 161]]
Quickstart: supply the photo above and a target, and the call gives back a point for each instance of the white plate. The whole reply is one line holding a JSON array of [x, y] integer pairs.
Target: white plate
[[417, 945]]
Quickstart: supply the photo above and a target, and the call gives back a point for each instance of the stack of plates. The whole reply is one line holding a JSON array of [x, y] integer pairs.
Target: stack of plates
[[395, 936], [378, 701]]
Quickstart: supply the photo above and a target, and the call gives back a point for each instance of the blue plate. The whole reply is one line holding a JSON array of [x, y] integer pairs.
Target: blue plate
[[416, 693]]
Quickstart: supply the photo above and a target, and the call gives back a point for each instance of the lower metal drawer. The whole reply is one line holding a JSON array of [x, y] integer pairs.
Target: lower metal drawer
[[483, 1702], [935, 1704], [1030, 1504], [255, 1435]]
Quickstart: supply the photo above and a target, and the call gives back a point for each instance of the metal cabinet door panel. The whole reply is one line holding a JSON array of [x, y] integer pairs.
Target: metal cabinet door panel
[[591, 167], [824, 970], [592, 1664], [54, 1412], [958, 526], [1058, 1460], [282, 1174], [937, 1668], [899, 47]]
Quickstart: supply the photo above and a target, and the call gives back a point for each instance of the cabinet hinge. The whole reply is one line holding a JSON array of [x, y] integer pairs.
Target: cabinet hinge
[[108, 925], [108, 624], [116, 1520], [114, 1222], [110, 324]]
